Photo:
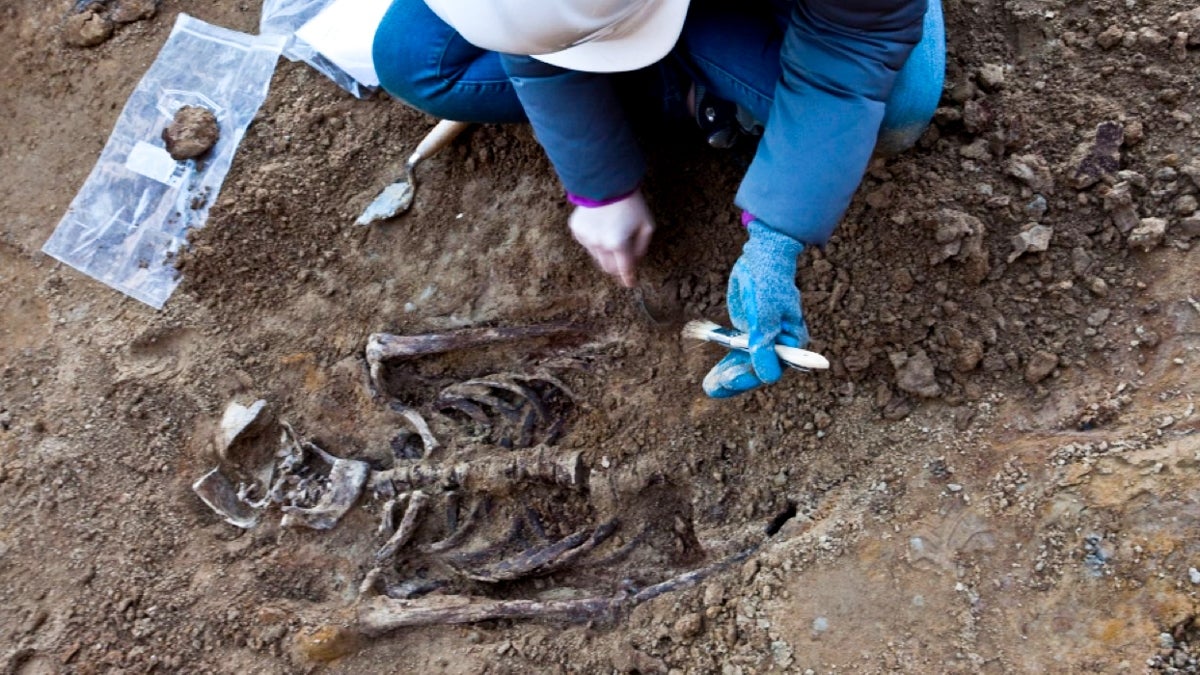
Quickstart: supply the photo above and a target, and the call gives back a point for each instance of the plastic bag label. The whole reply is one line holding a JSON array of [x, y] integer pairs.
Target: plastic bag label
[[155, 163]]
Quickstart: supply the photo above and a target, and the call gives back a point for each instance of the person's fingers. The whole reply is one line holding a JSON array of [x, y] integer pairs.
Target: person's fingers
[[642, 240], [607, 261], [731, 376], [794, 333], [626, 262], [626, 270], [766, 363], [788, 340]]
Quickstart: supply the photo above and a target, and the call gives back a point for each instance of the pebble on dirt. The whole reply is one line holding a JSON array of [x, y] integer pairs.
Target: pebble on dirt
[[1148, 234], [961, 237], [193, 132], [87, 29], [1040, 365], [128, 11], [1099, 157], [1033, 171], [1035, 239], [915, 374], [991, 77]]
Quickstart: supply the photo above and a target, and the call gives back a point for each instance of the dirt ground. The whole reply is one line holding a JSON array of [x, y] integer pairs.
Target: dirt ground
[[1000, 472]]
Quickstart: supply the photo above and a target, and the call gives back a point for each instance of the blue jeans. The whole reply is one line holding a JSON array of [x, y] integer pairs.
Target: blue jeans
[[733, 51]]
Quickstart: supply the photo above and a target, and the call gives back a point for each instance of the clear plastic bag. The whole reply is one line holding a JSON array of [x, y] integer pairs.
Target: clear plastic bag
[[286, 17], [133, 213]]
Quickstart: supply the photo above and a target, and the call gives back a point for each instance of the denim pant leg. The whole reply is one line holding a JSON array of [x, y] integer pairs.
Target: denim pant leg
[[734, 51], [424, 62]]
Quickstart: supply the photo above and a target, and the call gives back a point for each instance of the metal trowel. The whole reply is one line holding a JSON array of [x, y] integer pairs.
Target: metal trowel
[[397, 197]]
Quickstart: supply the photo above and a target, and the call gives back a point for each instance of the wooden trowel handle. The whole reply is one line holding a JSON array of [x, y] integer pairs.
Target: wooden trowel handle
[[438, 138]]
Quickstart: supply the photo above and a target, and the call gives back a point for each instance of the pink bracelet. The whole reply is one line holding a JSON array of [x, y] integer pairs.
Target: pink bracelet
[[748, 218], [593, 203]]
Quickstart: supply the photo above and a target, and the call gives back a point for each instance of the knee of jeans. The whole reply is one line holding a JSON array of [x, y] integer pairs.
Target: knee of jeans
[[400, 69], [918, 87]]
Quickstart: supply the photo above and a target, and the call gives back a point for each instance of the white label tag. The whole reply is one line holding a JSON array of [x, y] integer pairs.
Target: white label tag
[[155, 163]]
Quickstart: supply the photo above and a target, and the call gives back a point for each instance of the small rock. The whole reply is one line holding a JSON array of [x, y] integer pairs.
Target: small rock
[[1041, 364], [1098, 318], [1081, 261], [976, 116], [1035, 239], [991, 77], [1135, 131], [1033, 171], [193, 132], [1036, 208], [1148, 234], [1194, 575], [916, 376], [1186, 205], [820, 624], [87, 29], [1098, 286], [1148, 37], [326, 643], [1192, 171], [961, 237], [714, 595], [128, 11], [1190, 227], [1111, 37], [977, 149], [1099, 157], [781, 652], [687, 627], [968, 356]]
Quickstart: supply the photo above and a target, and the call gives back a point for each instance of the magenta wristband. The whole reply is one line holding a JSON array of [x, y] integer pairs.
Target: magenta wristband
[[593, 203], [748, 218]]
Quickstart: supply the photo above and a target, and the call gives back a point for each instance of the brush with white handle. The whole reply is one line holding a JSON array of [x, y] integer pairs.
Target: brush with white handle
[[736, 339]]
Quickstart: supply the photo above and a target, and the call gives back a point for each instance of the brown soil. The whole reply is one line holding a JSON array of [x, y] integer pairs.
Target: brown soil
[[999, 473]]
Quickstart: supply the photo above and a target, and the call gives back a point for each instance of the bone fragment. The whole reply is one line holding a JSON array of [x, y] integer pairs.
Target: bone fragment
[[370, 583], [235, 421], [384, 346], [387, 524], [459, 535], [381, 615], [414, 418], [527, 562], [543, 560], [511, 385], [214, 489], [567, 559], [494, 474], [408, 526], [345, 484]]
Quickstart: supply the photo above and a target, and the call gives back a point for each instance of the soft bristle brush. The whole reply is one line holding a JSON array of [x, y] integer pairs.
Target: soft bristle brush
[[736, 339]]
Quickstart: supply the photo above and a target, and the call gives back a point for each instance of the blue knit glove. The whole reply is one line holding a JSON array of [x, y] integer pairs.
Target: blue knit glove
[[763, 301]]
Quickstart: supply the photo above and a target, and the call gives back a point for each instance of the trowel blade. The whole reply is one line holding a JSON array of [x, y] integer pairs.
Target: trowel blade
[[395, 199]]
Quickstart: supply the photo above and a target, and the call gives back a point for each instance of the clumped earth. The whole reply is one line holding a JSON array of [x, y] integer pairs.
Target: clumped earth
[[192, 132], [998, 474]]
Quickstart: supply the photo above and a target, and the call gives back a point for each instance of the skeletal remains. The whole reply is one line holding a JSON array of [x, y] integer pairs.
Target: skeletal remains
[[478, 492]]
